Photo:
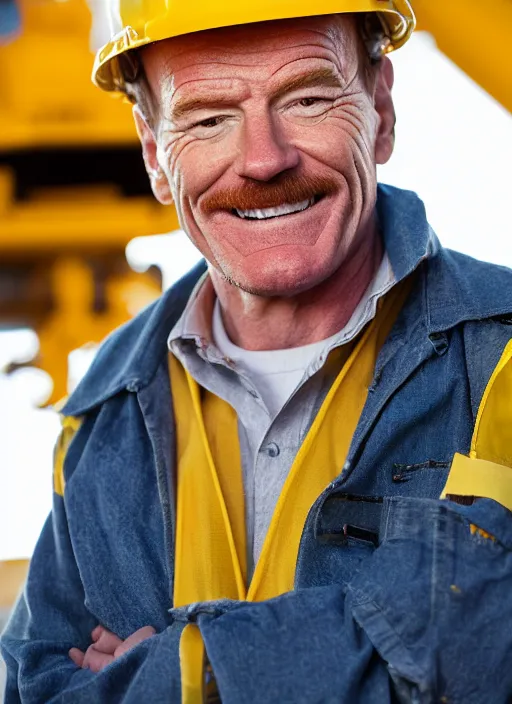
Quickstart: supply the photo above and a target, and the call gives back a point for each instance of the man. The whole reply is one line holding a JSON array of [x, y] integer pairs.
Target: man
[[247, 483]]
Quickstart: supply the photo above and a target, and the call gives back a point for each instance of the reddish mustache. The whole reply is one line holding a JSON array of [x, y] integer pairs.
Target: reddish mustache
[[292, 189]]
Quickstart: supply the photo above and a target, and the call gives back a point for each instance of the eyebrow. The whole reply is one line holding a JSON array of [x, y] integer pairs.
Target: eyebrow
[[187, 105], [324, 77], [320, 77]]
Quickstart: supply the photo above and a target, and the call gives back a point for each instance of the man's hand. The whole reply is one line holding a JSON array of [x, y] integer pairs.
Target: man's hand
[[106, 647]]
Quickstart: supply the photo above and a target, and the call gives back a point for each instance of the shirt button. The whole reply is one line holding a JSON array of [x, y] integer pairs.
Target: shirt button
[[272, 449]]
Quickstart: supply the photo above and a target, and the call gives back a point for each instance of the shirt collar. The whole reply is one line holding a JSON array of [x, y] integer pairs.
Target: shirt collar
[[195, 323]]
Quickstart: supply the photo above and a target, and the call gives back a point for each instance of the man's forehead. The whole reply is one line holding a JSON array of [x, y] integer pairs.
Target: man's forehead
[[249, 45]]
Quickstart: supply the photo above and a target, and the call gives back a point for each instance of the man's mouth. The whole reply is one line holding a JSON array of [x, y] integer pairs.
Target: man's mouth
[[275, 212]]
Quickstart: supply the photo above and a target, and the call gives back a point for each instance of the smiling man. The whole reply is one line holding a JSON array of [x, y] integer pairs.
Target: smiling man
[[247, 486], [243, 148]]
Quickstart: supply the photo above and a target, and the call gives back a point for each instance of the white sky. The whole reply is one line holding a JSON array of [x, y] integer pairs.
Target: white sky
[[454, 147]]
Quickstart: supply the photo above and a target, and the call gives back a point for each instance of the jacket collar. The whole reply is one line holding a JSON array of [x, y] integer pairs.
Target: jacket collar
[[456, 288], [460, 288]]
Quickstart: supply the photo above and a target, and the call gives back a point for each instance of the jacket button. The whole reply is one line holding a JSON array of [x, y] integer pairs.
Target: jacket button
[[439, 342], [272, 449]]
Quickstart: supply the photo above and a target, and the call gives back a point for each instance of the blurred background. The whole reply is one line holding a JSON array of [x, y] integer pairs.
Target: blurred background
[[84, 246]]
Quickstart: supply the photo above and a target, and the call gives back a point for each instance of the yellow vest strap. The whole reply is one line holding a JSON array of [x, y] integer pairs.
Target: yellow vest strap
[[70, 426], [479, 478]]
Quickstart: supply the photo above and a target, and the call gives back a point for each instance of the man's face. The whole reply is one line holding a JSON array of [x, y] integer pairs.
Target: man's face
[[267, 141]]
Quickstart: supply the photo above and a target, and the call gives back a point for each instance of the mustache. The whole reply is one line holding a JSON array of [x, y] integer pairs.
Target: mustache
[[269, 194]]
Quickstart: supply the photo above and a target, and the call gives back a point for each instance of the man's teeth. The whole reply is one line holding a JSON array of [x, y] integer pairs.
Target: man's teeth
[[285, 209]]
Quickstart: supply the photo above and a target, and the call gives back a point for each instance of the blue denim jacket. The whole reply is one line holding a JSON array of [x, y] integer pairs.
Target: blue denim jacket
[[105, 554]]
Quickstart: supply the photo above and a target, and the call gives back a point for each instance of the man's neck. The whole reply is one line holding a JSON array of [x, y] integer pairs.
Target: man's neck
[[260, 323]]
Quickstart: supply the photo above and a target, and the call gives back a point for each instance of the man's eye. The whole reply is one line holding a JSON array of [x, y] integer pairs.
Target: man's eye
[[209, 127], [308, 102], [310, 107], [210, 122]]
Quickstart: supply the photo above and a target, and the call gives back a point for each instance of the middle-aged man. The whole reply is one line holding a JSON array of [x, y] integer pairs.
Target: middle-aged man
[[247, 485]]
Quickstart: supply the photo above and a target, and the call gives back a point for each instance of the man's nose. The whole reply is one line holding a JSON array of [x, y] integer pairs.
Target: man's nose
[[264, 150]]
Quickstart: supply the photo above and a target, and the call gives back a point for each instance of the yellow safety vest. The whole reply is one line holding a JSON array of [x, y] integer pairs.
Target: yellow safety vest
[[210, 528]]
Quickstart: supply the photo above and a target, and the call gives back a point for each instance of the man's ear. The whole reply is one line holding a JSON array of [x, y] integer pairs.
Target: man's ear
[[157, 176], [385, 140]]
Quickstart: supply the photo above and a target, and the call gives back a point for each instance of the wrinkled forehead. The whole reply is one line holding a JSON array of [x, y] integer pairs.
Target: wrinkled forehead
[[275, 43]]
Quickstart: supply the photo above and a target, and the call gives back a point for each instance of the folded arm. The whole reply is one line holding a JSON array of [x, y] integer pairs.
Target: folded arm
[[51, 618]]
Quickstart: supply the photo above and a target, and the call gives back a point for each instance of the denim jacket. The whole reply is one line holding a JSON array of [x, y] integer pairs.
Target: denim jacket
[[105, 554]]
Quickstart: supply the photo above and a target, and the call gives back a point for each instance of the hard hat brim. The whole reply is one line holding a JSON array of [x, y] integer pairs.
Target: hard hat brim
[[396, 15]]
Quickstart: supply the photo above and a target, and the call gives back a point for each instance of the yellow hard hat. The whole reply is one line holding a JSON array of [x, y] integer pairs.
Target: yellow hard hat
[[136, 23]]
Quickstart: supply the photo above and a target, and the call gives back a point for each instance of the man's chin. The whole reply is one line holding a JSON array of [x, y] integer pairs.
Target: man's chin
[[275, 281]]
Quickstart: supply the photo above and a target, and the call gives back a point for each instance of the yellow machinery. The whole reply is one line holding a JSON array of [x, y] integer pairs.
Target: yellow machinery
[[73, 190], [475, 34]]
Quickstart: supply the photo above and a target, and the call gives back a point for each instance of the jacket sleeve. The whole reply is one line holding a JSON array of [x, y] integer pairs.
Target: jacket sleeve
[[50, 617], [303, 646]]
